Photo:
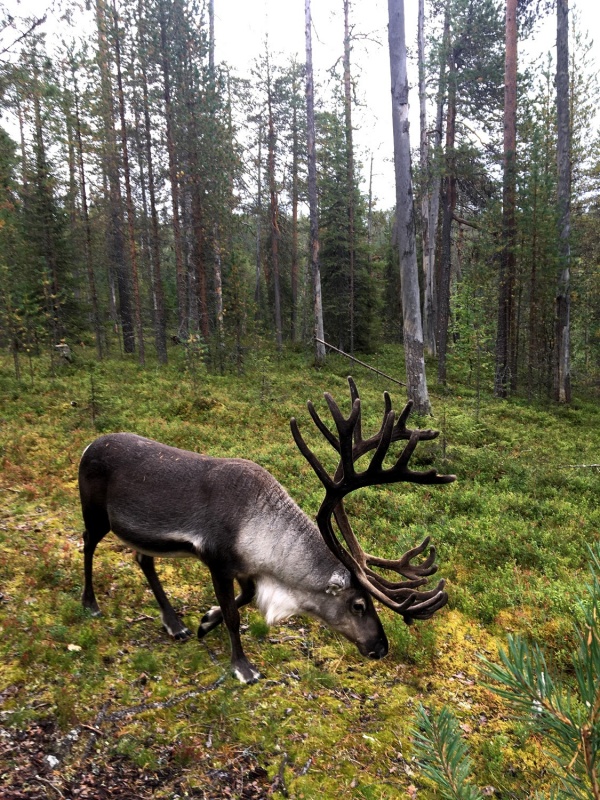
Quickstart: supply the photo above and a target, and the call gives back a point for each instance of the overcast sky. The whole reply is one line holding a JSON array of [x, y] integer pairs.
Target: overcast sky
[[241, 27]]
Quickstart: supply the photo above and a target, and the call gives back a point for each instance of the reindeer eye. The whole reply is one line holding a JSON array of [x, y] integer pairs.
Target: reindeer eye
[[359, 606]]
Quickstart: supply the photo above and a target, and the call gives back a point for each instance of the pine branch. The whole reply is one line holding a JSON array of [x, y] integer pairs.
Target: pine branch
[[443, 756], [567, 718]]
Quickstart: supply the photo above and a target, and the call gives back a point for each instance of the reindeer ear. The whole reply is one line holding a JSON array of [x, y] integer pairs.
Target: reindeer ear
[[340, 580]]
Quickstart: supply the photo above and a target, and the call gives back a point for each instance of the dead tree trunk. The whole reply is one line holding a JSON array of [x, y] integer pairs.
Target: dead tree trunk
[[295, 203], [428, 334], [409, 271]]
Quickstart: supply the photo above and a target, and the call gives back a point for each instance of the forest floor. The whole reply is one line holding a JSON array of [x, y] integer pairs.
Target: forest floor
[[110, 707]]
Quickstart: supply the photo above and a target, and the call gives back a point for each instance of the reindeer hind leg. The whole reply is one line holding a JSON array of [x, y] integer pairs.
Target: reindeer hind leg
[[171, 622], [96, 528]]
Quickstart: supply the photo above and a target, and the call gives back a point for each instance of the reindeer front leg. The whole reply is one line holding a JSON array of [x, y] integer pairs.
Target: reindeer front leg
[[214, 616], [224, 591], [171, 622]]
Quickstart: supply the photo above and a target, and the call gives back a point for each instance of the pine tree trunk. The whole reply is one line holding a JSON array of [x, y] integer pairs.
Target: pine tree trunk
[[349, 168], [129, 197], [200, 226], [505, 377], [409, 271], [433, 189], [295, 202], [274, 212], [211, 41], [315, 269], [96, 322], [115, 239], [158, 296], [428, 334], [180, 271], [51, 282], [533, 362], [449, 201], [24, 160], [258, 248], [562, 377], [197, 249], [218, 287]]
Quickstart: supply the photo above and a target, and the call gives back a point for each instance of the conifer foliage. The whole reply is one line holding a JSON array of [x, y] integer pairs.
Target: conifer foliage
[[152, 197]]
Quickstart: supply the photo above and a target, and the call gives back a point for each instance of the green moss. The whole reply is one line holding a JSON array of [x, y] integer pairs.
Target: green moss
[[511, 536]]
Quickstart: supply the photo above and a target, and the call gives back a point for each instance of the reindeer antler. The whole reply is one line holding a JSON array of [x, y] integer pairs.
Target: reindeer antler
[[401, 596]]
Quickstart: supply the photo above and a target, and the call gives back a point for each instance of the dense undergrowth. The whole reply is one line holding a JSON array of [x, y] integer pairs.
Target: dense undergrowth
[[86, 699]]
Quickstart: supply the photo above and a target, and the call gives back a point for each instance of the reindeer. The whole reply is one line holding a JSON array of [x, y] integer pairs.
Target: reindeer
[[241, 523]]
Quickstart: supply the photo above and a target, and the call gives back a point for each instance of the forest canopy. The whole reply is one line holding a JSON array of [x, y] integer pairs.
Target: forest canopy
[[153, 195]]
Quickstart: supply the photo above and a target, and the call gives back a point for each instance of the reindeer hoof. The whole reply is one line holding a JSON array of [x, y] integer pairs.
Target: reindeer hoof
[[179, 633], [93, 609], [181, 636], [213, 614], [212, 618], [246, 673]]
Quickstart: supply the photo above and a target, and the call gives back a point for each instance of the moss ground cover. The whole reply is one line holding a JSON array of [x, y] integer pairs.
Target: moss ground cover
[[113, 702]]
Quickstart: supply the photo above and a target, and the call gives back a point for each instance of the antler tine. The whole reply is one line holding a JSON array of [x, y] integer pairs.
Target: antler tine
[[403, 565], [408, 450], [354, 396], [399, 431], [308, 454], [428, 608], [402, 432], [322, 427], [346, 429], [386, 431]]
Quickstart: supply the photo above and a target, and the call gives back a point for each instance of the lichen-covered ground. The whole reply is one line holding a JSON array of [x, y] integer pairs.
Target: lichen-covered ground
[[110, 707]]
